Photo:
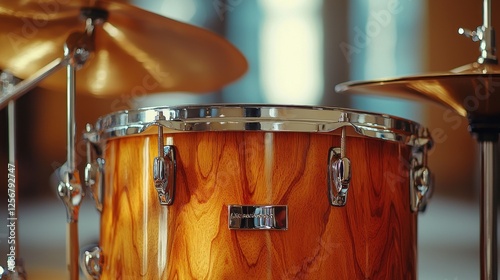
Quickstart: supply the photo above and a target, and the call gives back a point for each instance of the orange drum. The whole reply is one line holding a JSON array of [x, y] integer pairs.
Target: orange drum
[[258, 192]]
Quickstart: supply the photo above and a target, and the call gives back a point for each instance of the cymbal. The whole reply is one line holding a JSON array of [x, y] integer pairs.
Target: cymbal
[[470, 89], [136, 52]]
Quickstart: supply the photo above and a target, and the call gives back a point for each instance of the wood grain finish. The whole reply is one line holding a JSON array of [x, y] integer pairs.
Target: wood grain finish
[[373, 237]]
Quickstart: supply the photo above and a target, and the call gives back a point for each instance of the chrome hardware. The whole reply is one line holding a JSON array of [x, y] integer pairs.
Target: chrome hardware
[[486, 34], [164, 168], [272, 118], [339, 174], [474, 35], [339, 177], [421, 185], [94, 180], [258, 217], [91, 262], [8, 82], [77, 49], [81, 45], [71, 193], [94, 173], [13, 273]]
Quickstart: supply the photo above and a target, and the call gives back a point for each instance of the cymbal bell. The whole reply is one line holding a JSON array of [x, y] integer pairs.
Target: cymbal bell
[[473, 89], [136, 52]]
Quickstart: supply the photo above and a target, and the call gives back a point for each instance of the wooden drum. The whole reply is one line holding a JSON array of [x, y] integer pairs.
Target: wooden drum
[[247, 193]]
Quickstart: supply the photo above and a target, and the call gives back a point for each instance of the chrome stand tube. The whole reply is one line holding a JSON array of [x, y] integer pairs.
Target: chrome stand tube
[[70, 114], [72, 226], [17, 272], [11, 112], [489, 206], [70, 189], [487, 13], [78, 48]]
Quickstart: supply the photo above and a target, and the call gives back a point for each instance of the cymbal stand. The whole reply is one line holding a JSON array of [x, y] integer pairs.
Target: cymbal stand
[[77, 51], [15, 269], [486, 129], [485, 34], [489, 208], [79, 47]]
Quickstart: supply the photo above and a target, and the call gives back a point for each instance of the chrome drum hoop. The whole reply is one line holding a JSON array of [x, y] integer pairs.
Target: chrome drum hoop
[[272, 118]]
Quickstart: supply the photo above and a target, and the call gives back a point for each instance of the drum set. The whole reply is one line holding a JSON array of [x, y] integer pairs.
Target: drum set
[[226, 191]]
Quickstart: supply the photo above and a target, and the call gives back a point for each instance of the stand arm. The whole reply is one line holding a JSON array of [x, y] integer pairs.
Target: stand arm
[[26, 85]]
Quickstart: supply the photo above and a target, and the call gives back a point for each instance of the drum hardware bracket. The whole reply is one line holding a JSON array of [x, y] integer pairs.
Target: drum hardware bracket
[[164, 168], [486, 34], [339, 174], [91, 262], [421, 182], [94, 173], [80, 45], [70, 191]]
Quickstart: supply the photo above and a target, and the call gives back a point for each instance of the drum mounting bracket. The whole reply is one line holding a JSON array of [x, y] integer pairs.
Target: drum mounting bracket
[[421, 184], [339, 174], [92, 262], [164, 168], [94, 172]]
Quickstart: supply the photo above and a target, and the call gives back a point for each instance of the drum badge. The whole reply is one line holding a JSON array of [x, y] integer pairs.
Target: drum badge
[[258, 217]]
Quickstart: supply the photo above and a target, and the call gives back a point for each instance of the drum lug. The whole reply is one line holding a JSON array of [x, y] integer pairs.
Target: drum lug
[[94, 173], [421, 181], [339, 177], [94, 179], [339, 173], [164, 175], [164, 168], [91, 262]]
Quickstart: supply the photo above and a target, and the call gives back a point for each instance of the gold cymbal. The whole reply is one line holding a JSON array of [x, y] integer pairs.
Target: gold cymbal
[[136, 52], [470, 89]]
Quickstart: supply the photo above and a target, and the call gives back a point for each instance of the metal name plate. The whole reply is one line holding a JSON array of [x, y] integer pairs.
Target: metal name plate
[[258, 217]]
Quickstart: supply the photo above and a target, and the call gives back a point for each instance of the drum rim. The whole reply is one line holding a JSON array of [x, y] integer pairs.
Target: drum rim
[[276, 118]]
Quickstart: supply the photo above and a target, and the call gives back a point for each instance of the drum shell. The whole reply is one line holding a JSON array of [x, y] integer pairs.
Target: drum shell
[[372, 237]]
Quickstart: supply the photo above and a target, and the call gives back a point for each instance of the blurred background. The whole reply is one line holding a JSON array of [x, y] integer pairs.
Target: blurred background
[[297, 50]]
